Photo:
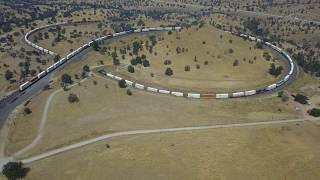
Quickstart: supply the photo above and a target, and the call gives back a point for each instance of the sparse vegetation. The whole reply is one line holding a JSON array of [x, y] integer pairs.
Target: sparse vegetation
[[73, 98]]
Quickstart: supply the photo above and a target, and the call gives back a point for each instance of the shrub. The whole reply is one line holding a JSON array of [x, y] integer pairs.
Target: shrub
[[198, 66], [8, 75], [187, 68], [130, 69], [315, 112], [283, 95], [275, 71], [301, 99], [169, 72], [236, 63], [206, 62], [27, 110], [14, 170], [73, 98], [129, 93], [122, 83], [167, 62], [66, 78], [86, 68], [146, 63]]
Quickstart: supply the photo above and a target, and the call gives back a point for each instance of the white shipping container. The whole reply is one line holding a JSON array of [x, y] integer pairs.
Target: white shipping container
[[110, 75], [250, 93], [129, 83], [164, 91], [117, 78], [151, 89], [272, 86], [138, 86], [41, 74], [193, 95], [179, 94], [238, 94], [222, 96]]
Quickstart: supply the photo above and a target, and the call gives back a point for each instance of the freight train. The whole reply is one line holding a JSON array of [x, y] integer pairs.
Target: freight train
[[62, 61], [152, 89]]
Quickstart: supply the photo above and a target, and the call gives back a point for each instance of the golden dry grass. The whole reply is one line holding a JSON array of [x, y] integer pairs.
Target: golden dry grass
[[287, 151]]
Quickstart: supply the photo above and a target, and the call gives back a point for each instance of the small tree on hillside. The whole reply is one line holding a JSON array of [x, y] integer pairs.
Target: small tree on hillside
[[169, 72], [73, 98], [14, 170], [130, 69]]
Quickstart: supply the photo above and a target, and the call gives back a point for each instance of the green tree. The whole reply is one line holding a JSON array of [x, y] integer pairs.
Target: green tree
[[14, 170], [66, 79], [86, 68], [130, 69], [169, 72], [8, 75]]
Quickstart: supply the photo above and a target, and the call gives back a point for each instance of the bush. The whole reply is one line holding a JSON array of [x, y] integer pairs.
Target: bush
[[283, 95], [146, 63], [14, 170], [187, 68], [315, 112], [169, 72], [236, 63], [122, 83], [129, 93], [86, 68], [198, 66], [8, 75], [130, 69], [167, 62], [73, 98], [301, 99], [66, 78], [206, 62], [27, 110]]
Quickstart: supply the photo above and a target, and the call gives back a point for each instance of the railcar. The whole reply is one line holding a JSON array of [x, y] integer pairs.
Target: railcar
[[272, 86], [145, 30], [151, 89], [34, 79], [110, 75], [137, 30], [208, 96], [117, 78], [162, 91], [193, 95], [222, 96], [178, 94], [50, 68], [237, 94], [129, 83], [41, 74], [138, 86], [250, 93], [24, 86]]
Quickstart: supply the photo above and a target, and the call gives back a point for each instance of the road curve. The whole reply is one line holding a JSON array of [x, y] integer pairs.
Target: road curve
[[151, 131]]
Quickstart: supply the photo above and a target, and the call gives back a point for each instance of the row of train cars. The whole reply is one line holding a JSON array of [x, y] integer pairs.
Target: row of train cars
[[65, 59], [219, 95], [152, 89]]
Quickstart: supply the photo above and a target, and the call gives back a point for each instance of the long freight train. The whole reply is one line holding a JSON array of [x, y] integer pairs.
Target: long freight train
[[27, 84], [152, 89]]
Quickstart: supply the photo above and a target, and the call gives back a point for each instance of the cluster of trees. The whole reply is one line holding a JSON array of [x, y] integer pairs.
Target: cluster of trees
[[275, 71], [15, 170], [302, 99], [140, 60], [315, 112]]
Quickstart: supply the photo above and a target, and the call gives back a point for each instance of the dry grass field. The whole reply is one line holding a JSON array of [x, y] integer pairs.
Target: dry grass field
[[271, 152], [103, 110], [202, 45]]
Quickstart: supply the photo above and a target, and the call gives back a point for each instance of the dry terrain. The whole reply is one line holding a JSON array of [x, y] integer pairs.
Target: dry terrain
[[209, 49], [287, 151]]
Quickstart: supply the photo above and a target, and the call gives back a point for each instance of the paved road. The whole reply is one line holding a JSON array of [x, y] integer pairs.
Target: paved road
[[152, 131]]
